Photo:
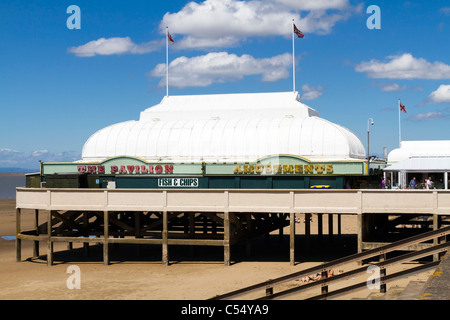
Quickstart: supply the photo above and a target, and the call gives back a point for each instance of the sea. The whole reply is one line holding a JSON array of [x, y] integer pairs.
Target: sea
[[8, 185]]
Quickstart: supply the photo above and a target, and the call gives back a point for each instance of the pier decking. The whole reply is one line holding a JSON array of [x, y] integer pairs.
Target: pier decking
[[213, 217]]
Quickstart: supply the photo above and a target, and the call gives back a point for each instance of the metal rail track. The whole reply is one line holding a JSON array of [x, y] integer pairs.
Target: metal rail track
[[269, 285]]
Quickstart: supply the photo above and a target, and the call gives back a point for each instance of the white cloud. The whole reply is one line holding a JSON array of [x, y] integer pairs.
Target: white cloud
[[428, 116], [441, 95], [39, 153], [404, 67], [222, 23], [445, 11], [7, 152], [218, 67], [316, 4], [392, 87], [10, 157], [112, 46], [310, 92]]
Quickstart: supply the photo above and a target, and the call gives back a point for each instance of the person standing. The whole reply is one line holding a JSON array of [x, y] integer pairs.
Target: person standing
[[429, 183], [412, 183]]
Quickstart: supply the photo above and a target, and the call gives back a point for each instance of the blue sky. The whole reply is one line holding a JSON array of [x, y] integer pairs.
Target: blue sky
[[59, 85]]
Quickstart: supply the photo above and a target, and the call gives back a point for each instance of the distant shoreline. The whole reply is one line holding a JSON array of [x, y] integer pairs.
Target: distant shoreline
[[12, 174]]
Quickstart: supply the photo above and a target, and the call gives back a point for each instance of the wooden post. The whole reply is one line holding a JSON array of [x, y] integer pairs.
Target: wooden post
[[382, 280], [85, 233], [165, 247], [226, 238], [292, 239], [191, 232], [339, 225], [320, 226], [105, 238], [307, 231], [36, 228], [330, 226], [137, 230], [49, 239], [281, 229], [248, 217], [18, 241], [359, 236], [436, 226]]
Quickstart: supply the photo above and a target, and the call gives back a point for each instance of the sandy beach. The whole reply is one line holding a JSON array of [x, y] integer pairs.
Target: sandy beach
[[191, 275]]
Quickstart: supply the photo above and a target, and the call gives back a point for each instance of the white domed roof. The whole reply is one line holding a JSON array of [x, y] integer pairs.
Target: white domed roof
[[225, 128], [416, 149]]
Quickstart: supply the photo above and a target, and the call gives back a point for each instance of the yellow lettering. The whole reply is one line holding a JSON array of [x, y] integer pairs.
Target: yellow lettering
[[259, 168], [237, 169], [309, 168], [276, 168], [329, 168], [288, 168], [298, 168], [249, 169], [319, 168], [268, 168]]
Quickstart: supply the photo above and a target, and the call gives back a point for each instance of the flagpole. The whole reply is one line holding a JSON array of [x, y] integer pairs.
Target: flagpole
[[167, 61], [399, 126], [293, 56]]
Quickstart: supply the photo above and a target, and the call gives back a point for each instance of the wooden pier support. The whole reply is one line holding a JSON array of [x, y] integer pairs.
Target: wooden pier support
[[226, 239], [308, 217], [49, 239], [18, 240], [36, 230], [105, 238], [165, 247], [292, 239]]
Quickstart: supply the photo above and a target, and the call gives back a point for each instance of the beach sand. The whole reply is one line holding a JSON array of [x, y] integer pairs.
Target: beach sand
[[190, 276]]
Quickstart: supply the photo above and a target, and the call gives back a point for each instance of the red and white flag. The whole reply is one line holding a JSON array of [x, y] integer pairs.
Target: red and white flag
[[298, 32], [402, 107], [170, 38]]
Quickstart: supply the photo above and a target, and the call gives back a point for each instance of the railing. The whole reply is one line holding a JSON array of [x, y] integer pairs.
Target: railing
[[323, 269], [238, 200]]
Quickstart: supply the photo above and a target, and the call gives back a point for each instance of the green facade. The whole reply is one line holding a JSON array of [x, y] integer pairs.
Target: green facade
[[274, 172]]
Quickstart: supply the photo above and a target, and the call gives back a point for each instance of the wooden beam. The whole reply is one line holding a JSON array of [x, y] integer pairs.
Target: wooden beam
[[18, 240], [292, 239], [105, 238], [226, 239], [330, 226], [36, 228], [49, 239], [165, 247], [308, 232]]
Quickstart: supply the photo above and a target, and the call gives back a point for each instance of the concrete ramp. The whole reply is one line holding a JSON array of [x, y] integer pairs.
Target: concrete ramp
[[438, 286]]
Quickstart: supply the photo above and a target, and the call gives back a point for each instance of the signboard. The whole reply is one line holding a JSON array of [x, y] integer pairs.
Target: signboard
[[122, 166], [286, 165], [178, 182]]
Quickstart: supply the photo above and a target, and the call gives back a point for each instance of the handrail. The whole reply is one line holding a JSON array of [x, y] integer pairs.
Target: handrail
[[338, 262]]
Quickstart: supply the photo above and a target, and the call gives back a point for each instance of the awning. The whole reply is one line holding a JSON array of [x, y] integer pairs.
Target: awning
[[421, 164]]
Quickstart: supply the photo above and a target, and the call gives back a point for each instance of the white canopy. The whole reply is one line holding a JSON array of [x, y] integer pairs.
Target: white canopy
[[225, 128], [425, 148]]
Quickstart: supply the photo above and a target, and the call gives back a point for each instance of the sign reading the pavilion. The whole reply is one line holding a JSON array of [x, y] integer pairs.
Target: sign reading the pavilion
[[122, 166], [126, 169]]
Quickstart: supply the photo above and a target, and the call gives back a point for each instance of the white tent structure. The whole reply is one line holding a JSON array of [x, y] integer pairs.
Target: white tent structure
[[225, 128], [421, 159]]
